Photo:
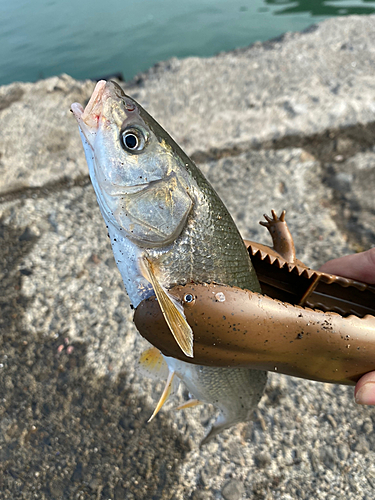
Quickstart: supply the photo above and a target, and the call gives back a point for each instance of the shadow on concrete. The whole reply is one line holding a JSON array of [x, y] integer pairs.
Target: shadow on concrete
[[64, 432]]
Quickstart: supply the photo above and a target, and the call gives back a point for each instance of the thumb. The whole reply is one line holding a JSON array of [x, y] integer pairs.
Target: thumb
[[364, 392], [358, 266]]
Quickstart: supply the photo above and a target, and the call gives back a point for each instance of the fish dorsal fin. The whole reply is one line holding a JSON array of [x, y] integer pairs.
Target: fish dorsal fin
[[165, 394], [153, 365], [172, 312]]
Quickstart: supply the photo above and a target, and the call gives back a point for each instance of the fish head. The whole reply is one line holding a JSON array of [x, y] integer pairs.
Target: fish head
[[137, 174]]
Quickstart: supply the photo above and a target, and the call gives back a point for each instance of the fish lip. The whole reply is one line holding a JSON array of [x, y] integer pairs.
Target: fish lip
[[77, 109], [95, 98], [88, 117]]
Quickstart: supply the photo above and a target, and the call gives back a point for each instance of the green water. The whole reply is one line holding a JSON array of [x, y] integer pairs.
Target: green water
[[91, 39]]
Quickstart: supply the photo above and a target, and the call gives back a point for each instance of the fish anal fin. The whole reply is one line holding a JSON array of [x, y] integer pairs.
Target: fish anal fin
[[165, 394], [172, 312]]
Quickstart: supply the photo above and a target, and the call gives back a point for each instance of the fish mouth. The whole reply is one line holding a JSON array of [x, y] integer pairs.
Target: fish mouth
[[88, 117]]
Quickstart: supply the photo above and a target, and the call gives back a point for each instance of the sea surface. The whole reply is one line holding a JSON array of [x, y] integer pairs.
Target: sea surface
[[94, 39]]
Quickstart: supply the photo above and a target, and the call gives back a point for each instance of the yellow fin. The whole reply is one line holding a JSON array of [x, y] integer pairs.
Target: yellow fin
[[173, 313], [189, 404], [152, 364], [164, 396]]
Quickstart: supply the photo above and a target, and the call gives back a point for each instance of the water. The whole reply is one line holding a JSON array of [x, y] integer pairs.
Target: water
[[92, 38]]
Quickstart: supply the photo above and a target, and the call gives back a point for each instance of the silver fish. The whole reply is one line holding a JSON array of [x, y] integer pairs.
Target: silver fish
[[167, 226]]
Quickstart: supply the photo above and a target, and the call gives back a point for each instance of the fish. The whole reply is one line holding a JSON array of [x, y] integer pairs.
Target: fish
[[167, 227]]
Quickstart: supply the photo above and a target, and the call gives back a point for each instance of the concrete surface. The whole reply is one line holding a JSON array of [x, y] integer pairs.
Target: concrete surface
[[284, 124]]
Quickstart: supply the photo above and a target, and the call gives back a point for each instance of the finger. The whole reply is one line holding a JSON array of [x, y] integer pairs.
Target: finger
[[365, 390], [358, 266]]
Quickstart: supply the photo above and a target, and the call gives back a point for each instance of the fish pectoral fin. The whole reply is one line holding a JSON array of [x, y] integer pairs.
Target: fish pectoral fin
[[165, 394], [189, 404], [152, 364], [172, 312]]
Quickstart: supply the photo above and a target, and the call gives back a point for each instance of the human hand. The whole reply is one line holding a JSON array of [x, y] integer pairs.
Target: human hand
[[358, 266], [361, 267]]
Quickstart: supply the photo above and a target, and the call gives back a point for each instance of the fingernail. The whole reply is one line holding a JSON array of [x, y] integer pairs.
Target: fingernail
[[366, 394]]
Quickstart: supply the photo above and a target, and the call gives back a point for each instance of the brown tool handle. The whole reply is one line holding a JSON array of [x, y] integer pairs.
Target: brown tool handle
[[235, 327]]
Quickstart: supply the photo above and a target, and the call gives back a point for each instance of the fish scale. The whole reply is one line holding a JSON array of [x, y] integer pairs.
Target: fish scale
[[235, 392]]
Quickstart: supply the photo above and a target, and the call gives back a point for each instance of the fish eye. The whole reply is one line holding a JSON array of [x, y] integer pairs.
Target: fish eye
[[133, 139], [130, 141]]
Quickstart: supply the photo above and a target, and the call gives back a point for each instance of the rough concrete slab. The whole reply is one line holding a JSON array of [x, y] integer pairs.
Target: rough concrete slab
[[38, 144], [73, 405], [302, 83], [298, 85], [353, 182], [290, 180]]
